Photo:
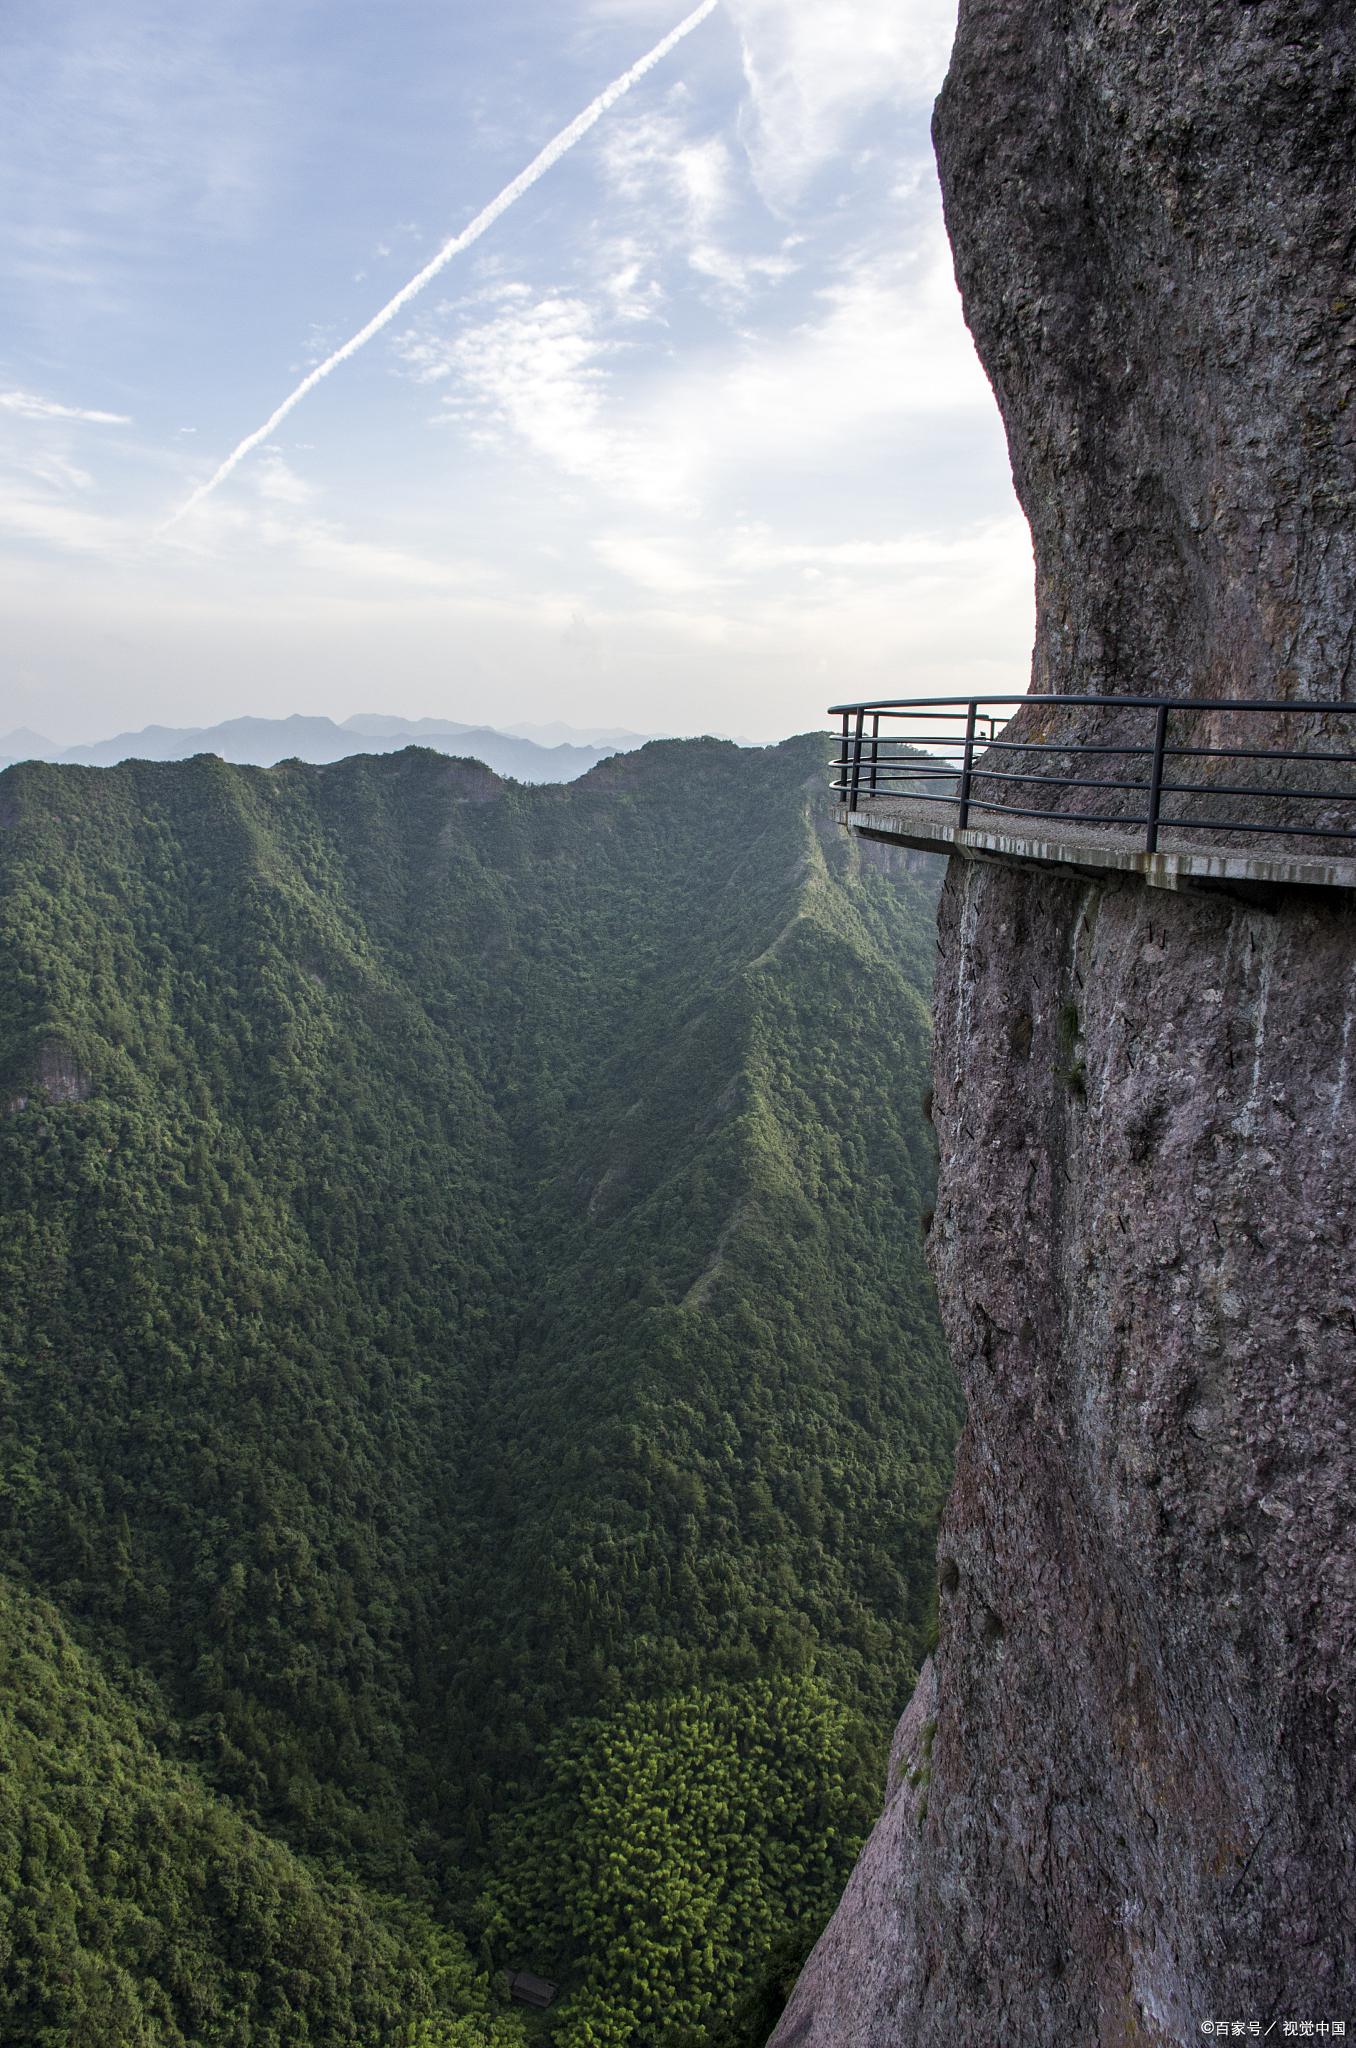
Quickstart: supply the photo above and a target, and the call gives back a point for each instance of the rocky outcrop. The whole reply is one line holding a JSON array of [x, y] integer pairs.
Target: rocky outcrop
[[1150, 207], [57, 1077], [1140, 1815], [853, 1979], [1141, 1807]]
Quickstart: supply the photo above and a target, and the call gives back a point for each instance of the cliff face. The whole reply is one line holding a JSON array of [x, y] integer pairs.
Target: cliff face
[[1135, 1810], [1140, 1804], [1149, 203]]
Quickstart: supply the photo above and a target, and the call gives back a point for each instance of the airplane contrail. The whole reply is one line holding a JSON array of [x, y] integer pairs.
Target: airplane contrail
[[540, 164]]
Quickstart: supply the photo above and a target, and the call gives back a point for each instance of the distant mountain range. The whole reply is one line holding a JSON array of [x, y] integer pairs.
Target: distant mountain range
[[616, 739], [529, 753]]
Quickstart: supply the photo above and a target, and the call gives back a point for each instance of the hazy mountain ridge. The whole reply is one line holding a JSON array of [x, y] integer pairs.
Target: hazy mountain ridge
[[263, 742], [616, 739], [456, 1333]]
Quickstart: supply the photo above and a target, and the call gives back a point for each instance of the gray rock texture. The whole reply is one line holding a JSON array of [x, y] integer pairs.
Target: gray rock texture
[[1151, 1546], [855, 1968], [1142, 1807], [58, 1074], [1150, 204], [1142, 1801]]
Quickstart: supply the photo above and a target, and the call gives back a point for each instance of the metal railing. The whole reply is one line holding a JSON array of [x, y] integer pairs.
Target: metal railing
[[971, 752]]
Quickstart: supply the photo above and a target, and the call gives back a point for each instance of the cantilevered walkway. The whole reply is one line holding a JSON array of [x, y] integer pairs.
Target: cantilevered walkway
[[1185, 792]]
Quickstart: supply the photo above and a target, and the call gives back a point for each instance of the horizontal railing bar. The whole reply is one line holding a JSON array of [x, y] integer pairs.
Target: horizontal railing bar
[[1252, 789], [948, 741], [919, 763], [935, 740], [1242, 825], [942, 773], [1091, 782], [920, 795], [1061, 747], [1256, 754], [930, 764], [1061, 781], [898, 789], [1169, 824], [1104, 702], [1168, 788], [894, 793], [1170, 751]]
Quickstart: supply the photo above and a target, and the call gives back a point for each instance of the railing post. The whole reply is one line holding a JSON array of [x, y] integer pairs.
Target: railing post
[[841, 788], [875, 747], [856, 761], [964, 812], [1156, 779]]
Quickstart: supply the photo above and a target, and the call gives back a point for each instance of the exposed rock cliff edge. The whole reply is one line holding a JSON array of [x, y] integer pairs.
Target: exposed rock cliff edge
[[1141, 1798]]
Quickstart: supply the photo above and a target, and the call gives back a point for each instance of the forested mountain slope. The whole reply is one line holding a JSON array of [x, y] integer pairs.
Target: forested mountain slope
[[474, 1415]]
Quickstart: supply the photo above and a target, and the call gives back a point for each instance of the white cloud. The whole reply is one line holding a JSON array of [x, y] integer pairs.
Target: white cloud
[[275, 530], [278, 483], [365, 565], [888, 345], [52, 468], [257, 541], [738, 273], [29, 406], [686, 191], [883, 346], [652, 155], [862, 597], [69, 528], [657, 565], [534, 371], [756, 550], [627, 281], [815, 71]]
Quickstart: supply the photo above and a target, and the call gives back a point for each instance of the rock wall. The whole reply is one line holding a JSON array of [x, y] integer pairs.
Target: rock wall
[[1150, 205], [1142, 1790], [1141, 1798]]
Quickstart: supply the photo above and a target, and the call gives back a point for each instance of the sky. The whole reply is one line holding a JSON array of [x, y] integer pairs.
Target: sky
[[692, 439]]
